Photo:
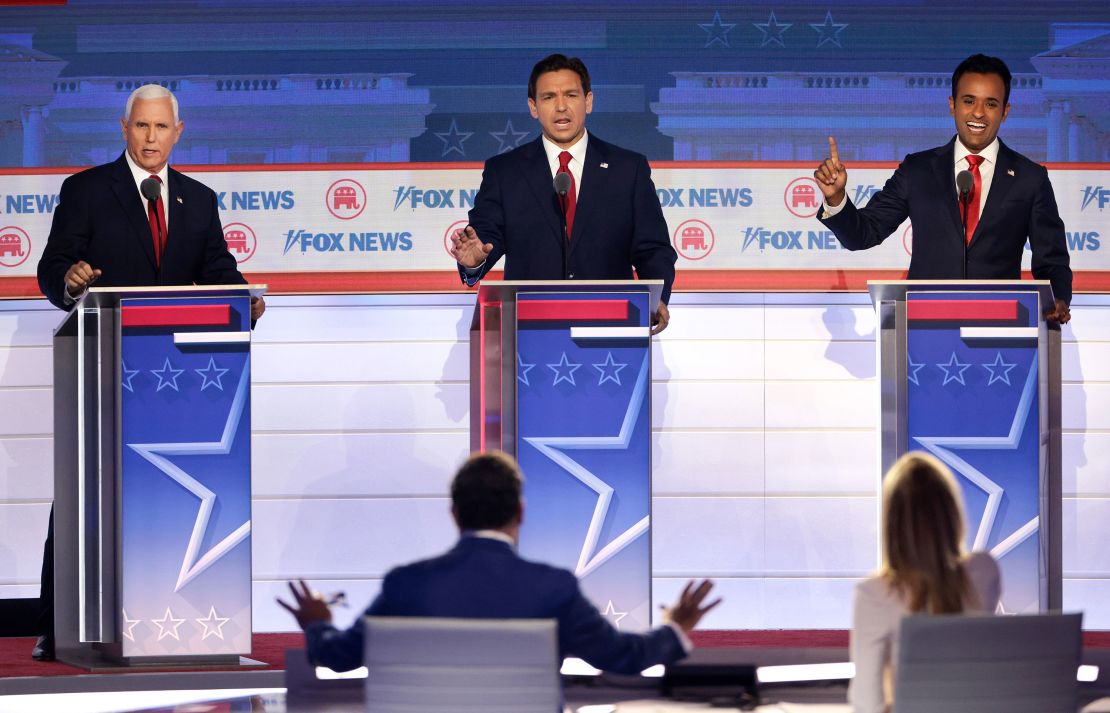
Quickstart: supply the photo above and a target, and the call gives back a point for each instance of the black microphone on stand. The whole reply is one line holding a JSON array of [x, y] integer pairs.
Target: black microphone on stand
[[965, 183], [152, 190], [562, 188]]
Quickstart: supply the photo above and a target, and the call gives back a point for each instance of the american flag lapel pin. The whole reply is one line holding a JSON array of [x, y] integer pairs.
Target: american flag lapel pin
[[183, 202], [1009, 171], [605, 165]]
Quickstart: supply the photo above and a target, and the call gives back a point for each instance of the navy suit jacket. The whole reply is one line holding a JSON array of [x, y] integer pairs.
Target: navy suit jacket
[[1020, 205], [618, 223], [102, 219], [483, 578]]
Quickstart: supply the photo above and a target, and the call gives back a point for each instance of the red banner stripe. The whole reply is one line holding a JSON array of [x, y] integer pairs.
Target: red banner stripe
[[577, 310], [176, 316], [962, 310]]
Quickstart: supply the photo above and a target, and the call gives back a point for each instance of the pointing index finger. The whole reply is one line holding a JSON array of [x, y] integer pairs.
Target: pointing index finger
[[833, 153]]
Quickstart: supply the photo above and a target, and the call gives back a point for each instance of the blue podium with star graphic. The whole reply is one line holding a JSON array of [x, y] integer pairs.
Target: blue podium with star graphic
[[970, 372], [152, 476], [561, 379]]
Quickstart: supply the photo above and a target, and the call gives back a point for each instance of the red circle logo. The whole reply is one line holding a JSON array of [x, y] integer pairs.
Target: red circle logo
[[346, 199], [907, 240], [241, 241], [803, 197], [694, 239], [457, 225], [15, 246]]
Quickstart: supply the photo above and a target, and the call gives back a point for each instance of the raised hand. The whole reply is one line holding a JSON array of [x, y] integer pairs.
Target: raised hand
[[831, 176], [468, 249], [688, 611], [308, 606]]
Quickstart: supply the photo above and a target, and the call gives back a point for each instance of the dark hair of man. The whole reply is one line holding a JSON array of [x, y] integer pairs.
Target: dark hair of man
[[554, 63], [486, 491], [982, 64]]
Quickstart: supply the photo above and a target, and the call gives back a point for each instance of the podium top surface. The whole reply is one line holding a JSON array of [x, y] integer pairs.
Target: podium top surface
[[98, 297], [497, 290], [895, 290]]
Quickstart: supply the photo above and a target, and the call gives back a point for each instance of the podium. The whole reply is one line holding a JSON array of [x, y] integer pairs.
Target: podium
[[560, 377], [152, 476], [970, 372]]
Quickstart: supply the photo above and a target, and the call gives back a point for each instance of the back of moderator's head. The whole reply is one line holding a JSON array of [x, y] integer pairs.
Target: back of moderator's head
[[486, 492], [923, 532]]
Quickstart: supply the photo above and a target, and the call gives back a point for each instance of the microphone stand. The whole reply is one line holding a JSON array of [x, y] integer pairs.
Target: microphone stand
[[965, 201], [566, 238]]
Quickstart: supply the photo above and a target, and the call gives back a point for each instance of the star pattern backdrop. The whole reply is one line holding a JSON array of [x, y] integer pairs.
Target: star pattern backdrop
[[186, 567], [975, 405], [583, 441]]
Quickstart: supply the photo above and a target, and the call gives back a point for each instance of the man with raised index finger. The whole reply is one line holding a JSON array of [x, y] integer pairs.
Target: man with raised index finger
[[614, 223], [1010, 199]]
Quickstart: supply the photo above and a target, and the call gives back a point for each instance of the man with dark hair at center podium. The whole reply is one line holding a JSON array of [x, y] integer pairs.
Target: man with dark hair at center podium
[[1009, 198], [483, 577], [614, 223]]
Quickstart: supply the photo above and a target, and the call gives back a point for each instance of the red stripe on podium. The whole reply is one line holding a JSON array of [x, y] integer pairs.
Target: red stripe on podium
[[577, 310], [176, 316], [961, 310]]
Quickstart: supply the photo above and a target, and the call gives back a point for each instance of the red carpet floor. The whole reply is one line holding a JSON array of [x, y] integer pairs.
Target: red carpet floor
[[15, 654]]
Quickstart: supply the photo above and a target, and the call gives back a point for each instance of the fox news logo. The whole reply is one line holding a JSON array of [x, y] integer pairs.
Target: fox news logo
[[305, 241], [30, 203], [255, 200], [704, 197], [413, 197], [863, 195], [778, 240], [1096, 195]]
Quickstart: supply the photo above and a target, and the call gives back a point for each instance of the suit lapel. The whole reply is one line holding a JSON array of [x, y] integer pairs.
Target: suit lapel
[[123, 186], [1001, 183], [537, 174], [175, 211], [593, 178], [944, 166]]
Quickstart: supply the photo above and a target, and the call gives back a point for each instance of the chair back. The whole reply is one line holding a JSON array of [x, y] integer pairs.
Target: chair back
[[435, 665], [988, 664]]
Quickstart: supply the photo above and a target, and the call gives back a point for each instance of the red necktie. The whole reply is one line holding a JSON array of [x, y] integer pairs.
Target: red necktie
[[973, 161], [564, 167], [156, 214]]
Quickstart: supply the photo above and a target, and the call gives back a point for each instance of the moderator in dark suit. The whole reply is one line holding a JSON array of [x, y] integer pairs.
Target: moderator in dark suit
[[618, 223], [484, 578], [101, 219], [1020, 205]]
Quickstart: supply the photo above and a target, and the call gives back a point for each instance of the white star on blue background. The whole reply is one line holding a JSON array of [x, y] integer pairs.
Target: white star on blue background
[[508, 139], [128, 375], [167, 376], [453, 139], [772, 30], [609, 370], [523, 369], [212, 375], [194, 562], [912, 369], [1000, 370], [554, 447], [717, 31], [564, 370], [950, 370], [828, 31]]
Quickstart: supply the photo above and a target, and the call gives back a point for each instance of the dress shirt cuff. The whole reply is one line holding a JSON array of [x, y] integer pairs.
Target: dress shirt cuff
[[67, 298], [470, 271], [828, 211], [683, 639]]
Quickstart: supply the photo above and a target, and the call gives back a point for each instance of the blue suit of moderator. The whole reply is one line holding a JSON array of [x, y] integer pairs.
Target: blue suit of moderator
[[482, 578], [618, 222], [1020, 205]]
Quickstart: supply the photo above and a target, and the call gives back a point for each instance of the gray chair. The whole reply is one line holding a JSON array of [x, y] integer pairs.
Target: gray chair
[[988, 664], [461, 665]]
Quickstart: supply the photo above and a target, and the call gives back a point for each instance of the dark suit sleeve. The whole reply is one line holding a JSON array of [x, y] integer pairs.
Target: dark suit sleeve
[[862, 228], [1049, 242], [218, 266], [67, 244], [652, 253], [586, 634], [342, 650], [487, 217]]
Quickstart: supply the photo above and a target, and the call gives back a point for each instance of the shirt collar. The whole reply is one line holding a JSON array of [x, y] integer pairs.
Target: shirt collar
[[577, 152], [491, 535], [141, 174], [989, 154]]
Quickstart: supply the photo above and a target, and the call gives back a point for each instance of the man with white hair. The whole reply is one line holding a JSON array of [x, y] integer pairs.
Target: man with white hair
[[107, 231]]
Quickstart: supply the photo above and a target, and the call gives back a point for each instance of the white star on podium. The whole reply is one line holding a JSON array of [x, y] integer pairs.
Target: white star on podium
[[611, 612], [129, 626], [167, 625], [213, 625]]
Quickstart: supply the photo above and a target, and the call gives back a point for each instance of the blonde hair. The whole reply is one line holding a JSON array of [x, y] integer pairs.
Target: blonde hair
[[151, 91], [923, 533]]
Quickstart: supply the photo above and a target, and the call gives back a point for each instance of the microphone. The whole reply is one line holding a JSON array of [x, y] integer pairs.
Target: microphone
[[561, 183], [152, 191], [965, 182]]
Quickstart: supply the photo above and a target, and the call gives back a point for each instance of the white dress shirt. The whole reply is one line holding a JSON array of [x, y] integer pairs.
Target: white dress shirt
[[986, 174], [876, 618]]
